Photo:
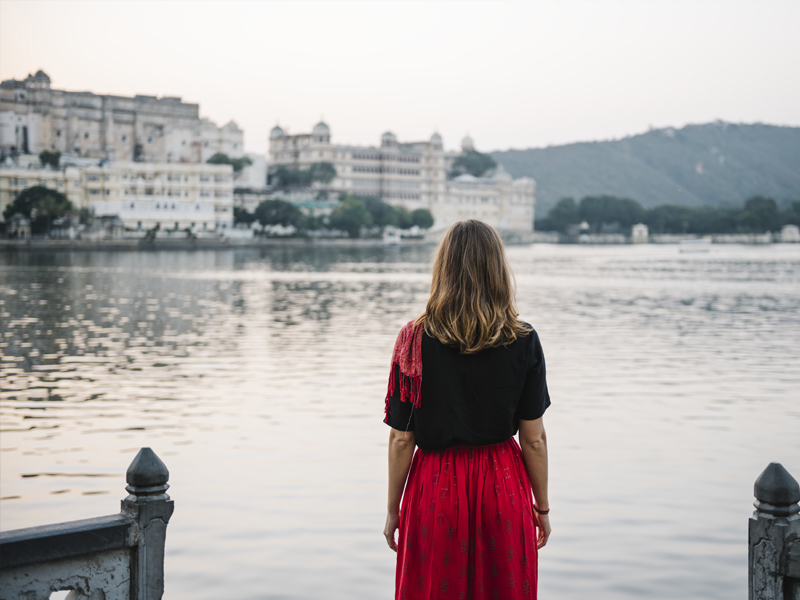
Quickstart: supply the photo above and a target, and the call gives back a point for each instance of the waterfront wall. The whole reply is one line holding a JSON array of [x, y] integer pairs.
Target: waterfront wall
[[117, 557]]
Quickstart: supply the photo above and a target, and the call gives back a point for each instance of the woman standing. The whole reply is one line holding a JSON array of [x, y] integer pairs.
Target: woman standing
[[466, 376]]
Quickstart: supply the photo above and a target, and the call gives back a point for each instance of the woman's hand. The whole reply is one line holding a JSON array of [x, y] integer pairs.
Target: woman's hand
[[392, 520], [543, 529]]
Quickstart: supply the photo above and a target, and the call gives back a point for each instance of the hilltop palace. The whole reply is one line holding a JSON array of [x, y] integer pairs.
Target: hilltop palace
[[34, 117], [413, 175], [143, 161]]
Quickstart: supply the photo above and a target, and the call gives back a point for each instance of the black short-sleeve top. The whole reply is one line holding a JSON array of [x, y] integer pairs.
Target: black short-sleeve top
[[475, 399]]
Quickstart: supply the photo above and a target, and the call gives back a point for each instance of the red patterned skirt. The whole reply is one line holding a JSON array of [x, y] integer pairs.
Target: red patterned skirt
[[467, 530]]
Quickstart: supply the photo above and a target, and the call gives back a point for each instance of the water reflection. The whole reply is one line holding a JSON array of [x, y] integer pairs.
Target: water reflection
[[259, 375]]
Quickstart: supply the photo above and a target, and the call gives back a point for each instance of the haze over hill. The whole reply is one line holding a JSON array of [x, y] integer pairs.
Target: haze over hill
[[716, 163]]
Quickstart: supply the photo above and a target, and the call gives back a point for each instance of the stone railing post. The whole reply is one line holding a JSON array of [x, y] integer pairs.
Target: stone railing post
[[150, 507], [774, 537]]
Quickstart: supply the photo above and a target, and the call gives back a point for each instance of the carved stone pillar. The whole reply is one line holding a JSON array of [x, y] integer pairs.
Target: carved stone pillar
[[774, 537], [150, 506]]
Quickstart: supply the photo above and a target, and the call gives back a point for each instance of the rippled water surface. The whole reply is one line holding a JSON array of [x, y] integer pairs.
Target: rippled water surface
[[258, 376]]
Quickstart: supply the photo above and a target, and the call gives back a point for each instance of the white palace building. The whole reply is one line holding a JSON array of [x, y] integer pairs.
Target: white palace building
[[413, 175], [35, 117]]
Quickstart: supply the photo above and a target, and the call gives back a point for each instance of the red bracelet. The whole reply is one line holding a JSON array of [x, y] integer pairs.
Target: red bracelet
[[541, 512]]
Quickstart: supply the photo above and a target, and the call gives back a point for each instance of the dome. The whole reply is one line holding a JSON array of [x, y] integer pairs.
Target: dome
[[321, 128], [276, 133], [467, 144], [436, 139], [42, 75], [388, 139]]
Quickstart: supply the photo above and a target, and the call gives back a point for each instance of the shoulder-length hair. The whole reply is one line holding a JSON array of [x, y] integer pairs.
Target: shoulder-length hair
[[471, 305]]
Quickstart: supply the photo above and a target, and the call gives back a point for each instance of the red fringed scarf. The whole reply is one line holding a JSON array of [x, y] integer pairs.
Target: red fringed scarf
[[407, 355]]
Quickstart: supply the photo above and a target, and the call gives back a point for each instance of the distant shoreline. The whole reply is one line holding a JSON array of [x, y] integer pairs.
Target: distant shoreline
[[187, 244], [226, 244]]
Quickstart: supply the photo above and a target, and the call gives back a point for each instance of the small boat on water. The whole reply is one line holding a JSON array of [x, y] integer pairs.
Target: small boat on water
[[698, 245], [391, 237]]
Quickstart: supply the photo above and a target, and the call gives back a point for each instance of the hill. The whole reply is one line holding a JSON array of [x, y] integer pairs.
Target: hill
[[717, 163]]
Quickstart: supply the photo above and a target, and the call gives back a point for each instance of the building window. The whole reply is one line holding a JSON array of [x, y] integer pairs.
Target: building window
[[124, 138], [139, 225], [58, 133], [158, 206], [150, 140], [108, 192], [86, 135]]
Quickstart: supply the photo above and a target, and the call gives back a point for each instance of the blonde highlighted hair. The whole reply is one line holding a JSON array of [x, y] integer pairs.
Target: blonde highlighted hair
[[471, 306]]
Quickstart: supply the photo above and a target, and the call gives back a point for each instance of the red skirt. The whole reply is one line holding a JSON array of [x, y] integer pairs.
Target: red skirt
[[467, 530]]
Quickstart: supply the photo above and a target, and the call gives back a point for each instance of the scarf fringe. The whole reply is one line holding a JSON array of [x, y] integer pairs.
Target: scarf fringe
[[406, 366]]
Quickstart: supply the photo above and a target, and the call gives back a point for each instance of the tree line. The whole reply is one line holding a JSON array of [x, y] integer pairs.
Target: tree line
[[43, 207], [609, 214], [353, 215]]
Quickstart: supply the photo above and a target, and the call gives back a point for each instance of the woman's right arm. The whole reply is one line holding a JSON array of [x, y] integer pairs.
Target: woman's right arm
[[401, 451], [533, 441]]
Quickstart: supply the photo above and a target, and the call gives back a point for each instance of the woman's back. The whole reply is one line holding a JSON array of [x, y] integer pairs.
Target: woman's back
[[474, 399], [465, 377]]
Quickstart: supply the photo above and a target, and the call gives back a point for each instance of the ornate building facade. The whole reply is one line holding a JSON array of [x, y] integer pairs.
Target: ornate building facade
[[168, 196], [411, 174], [34, 117]]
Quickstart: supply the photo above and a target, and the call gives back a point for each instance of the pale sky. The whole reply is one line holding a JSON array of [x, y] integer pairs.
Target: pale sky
[[511, 74]]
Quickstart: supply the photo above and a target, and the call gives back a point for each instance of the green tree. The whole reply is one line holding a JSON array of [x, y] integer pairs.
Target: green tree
[[322, 172], [242, 215], [223, 159], [312, 222], [86, 216], [278, 212], [404, 218], [46, 157], [382, 213], [473, 162], [604, 213], [350, 216], [422, 218], [41, 205], [668, 218], [791, 216], [561, 216], [712, 219], [759, 215]]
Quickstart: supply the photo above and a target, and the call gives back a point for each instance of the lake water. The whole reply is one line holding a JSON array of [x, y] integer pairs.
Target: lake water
[[258, 376]]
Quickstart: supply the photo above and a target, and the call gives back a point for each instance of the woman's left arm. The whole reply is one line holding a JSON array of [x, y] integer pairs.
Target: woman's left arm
[[401, 451]]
